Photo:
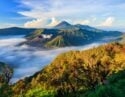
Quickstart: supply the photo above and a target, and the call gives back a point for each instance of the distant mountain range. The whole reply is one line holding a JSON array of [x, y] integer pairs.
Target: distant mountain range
[[16, 31], [65, 34], [61, 35], [66, 25]]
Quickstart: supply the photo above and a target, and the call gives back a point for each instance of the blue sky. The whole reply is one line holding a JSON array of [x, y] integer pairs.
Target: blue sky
[[106, 14]]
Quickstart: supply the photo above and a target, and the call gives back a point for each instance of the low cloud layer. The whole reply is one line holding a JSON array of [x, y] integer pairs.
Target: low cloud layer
[[27, 60], [108, 22], [36, 23]]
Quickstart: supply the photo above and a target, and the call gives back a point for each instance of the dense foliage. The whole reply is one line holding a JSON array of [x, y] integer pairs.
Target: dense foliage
[[78, 74], [114, 87], [5, 76]]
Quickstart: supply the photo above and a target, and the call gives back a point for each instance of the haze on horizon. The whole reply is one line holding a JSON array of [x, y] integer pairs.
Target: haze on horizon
[[105, 14]]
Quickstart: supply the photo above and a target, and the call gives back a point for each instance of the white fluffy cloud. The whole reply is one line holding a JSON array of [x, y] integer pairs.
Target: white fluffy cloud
[[94, 19], [70, 10], [36, 23], [58, 8], [39, 23], [108, 22], [84, 22], [54, 22], [88, 21]]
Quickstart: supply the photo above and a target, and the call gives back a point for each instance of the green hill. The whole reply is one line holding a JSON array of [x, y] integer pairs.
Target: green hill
[[58, 41], [75, 73]]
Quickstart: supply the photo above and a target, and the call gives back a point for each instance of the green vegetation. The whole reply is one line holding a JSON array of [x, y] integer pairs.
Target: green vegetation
[[59, 41], [65, 34], [5, 76], [60, 38], [35, 33], [5, 73], [98, 72], [90, 73], [38, 92], [114, 87]]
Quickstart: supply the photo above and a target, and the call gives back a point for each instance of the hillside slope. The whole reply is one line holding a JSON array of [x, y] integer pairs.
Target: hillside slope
[[73, 73], [58, 41]]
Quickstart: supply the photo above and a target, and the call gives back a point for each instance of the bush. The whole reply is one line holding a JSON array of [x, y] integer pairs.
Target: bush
[[40, 93]]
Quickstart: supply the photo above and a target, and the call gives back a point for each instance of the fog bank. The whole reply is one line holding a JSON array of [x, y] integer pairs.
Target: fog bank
[[27, 60]]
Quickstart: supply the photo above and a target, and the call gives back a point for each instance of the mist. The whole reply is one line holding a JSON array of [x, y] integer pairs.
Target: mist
[[26, 60]]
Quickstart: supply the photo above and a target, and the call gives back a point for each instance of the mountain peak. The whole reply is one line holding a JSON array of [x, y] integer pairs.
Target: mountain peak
[[63, 24]]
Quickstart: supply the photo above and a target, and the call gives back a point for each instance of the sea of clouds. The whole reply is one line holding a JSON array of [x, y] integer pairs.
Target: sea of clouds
[[27, 60]]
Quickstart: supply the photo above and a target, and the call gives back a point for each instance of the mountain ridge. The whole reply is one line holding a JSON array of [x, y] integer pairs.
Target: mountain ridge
[[75, 35], [66, 25], [16, 31], [71, 35]]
